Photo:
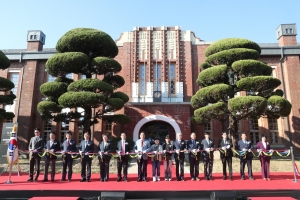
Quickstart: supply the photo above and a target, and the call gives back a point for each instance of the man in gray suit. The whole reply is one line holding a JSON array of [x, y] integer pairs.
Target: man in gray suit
[[142, 147], [36, 145]]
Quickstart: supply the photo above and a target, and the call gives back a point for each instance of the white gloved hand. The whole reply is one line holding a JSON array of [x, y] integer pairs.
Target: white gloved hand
[[249, 150], [228, 147], [62, 152], [271, 150], [244, 149], [259, 150], [52, 150], [177, 151], [80, 152], [136, 151], [165, 151], [86, 153], [99, 152], [127, 153], [155, 152], [223, 148], [194, 150], [105, 153], [207, 149], [118, 152], [144, 151]]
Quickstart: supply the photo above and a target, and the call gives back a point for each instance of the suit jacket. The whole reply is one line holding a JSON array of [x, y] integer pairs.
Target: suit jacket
[[260, 145], [146, 147], [196, 145], [247, 145], [127, 147], [206, 145], [89, 148], [36, 144], [157, 148], [105, 148], [179, 146], [227, 142], [69, 148], [55, 147]]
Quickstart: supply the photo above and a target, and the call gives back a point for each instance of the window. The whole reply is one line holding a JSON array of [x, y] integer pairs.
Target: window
[[63, 130], [254, 130], [70, 76], [47, 129], [14, 77], [81, 76], [9, 121], [157, 78], [108, 128], [142, 80], [50, 78], [207, 128], [34, 37], [172, 80], [273, 127], [31, 37]]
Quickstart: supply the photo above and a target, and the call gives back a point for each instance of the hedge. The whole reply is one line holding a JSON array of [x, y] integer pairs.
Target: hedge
[[103, 65], [283, 107], [115, 81], [61, 64], [230, 43], [246, 68], [90, 41], [207, 113], [80, 99], [48, 107], [120, 95], [213, 75], [91, 85], [258, 83], [53, 89], [230, 56]]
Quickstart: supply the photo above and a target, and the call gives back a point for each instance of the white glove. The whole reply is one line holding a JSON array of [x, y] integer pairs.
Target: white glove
[[259, 150], [165, 151], [80, 152], [86, 154], [194, 150], [244, 149], [155, 152], [144, 151], [127, 153], [62, 152], [271, 150], [177, 151], [136, 151], [118, 152], [228, 147], [52, 150], [223, 148], [207, 149], [249, 150], [101, 152]]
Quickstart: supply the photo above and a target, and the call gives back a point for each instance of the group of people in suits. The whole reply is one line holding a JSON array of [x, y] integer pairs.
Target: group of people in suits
[[196, 149]]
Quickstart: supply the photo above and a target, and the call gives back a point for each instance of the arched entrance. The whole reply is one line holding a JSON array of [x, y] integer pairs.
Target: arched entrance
[[156, 119], [159, 129]]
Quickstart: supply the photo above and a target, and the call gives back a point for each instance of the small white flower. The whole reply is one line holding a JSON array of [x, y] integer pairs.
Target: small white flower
[[197, 142], [126, 143], [55, 143], [182, 142], [71, 143]]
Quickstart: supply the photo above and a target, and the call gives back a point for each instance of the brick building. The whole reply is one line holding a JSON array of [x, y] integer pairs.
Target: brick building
[[160, 68]]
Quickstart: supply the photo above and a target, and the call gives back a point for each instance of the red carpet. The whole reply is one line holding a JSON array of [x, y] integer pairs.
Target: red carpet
[[280, 181]]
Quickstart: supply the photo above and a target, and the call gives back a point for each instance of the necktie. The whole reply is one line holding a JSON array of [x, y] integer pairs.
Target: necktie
[[86, 142], [142, 143], [67, 143], [51, 142], [123, 147]]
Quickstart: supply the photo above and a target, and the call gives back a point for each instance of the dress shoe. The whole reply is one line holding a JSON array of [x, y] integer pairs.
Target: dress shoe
[[211, 178], [35, 180], [88, 180], [62, 180], [177, 179], [197, 179], [182, 179], [224, 177], [52, 180], [206, 178], [265, 179], [251, 178], [30, 180], [102, 180], [83, 180], [45, 180], [69, 180], [268, 179], [105, 180], [138, 180], [125, 179], [242, 178], [145, 180], [192, 179], [119, 179], [230, 178]]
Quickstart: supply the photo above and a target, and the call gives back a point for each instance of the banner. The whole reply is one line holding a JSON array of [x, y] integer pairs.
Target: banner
[[12, 154]]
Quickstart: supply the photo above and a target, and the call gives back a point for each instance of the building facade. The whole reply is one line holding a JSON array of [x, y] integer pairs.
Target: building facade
[[160, 68]]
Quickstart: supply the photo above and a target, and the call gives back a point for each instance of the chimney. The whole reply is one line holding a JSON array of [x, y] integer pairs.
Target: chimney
[[286, 34], [35, 40]]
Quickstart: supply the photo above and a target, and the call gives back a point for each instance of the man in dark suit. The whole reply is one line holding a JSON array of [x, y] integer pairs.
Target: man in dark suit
[[123, 150], [51, 147], [208, 156], [68, 147], [104, 157], [245, 146], [86, 147], [180, 147], [194, 156], [226, 154], [36, 145]]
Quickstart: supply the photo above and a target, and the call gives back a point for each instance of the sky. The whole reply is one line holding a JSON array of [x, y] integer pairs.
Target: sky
[[210, 20]]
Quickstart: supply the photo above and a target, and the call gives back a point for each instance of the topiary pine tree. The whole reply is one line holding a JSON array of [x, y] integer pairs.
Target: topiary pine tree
[[232, 66], [6, 86], [89, 52]]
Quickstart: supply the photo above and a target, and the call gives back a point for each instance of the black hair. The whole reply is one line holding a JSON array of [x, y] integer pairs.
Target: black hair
[[69, 132], [37, 129], [262, 135]]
